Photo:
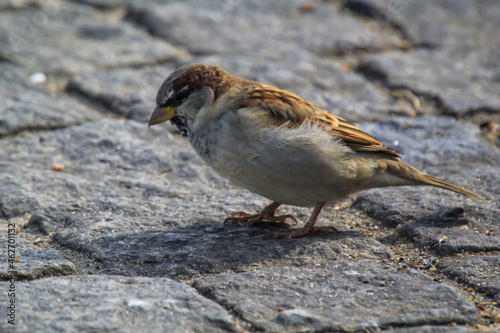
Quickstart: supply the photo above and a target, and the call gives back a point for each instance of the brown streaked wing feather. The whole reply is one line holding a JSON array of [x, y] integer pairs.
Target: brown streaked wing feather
[[285, 107], [281, 105], [353, 136]]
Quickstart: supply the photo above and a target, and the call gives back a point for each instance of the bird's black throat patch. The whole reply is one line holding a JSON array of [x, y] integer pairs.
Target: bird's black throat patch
[[181, 124]]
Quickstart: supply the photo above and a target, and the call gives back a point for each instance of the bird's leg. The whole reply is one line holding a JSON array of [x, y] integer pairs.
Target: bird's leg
[[267, 214], [308, 227]]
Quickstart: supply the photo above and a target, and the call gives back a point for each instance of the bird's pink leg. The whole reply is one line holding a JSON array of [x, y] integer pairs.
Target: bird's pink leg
[[308, 227]]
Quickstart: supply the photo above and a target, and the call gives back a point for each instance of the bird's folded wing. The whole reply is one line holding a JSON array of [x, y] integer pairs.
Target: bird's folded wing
[[283, 107]]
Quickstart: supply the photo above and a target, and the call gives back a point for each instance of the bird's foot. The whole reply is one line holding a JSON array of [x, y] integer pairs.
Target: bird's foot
[[304, 231], [267, 215]]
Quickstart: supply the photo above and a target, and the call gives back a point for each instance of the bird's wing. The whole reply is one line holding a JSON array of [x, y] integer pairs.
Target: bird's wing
[[283, 107]]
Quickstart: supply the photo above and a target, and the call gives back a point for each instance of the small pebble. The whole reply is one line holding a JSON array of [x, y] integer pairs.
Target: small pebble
[[38, 78], [58, 167]]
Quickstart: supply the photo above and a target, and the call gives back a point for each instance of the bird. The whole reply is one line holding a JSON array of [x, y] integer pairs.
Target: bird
[[279, 145]]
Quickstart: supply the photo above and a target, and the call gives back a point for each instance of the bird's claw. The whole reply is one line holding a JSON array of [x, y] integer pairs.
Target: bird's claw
[[304, 231], [263, 216]]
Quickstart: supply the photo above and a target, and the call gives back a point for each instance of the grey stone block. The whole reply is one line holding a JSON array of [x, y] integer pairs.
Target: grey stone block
[[447, 23], [106, 158], [61, 38], [277, 28], [106, 4], [435, 329], [15, 4], [180, 238], [33, 263], [26, 107], [482, 273], [113, 304], [459, 81], [337, 296], [126, 92]]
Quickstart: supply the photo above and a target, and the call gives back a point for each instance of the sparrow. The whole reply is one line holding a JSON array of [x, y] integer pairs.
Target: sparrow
[[279, 145]]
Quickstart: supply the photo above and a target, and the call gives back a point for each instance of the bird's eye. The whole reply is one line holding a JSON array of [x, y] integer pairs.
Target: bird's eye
[[177, 97], [180, 95]]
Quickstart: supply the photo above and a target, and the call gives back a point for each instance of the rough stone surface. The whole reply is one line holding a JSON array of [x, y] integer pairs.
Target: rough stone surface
[[126, 92], [26, 107], [460, 81], [482, 273], [157, 240], [445, 23], [436, 329], [15, 4], [113, 303], [259, 27], [33, 263], [79, 37], [121, 3], [109, 158], [337, 296]]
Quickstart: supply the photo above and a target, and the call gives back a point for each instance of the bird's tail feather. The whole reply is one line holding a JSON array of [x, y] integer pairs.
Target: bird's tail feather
[[439, 183], [415, 177]]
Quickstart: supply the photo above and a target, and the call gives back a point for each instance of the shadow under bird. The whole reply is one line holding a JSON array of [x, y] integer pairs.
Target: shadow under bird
[[279, 145]]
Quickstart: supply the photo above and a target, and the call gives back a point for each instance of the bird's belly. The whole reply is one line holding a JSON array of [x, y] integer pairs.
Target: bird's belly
[[287, 186], [299, 168]]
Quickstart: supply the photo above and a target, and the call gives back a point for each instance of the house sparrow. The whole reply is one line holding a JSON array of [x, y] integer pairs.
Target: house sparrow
[[279, 145]]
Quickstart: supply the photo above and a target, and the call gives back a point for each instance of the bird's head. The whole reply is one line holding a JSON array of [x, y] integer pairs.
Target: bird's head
[[188, 93]]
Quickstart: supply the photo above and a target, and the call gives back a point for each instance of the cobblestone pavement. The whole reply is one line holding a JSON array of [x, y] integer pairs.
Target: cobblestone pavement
[[114, 227]]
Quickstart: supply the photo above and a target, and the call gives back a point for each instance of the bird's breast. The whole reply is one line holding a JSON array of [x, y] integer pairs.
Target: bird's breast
[[206, 142]]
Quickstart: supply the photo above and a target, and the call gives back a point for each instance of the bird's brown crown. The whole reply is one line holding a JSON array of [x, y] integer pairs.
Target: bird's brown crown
[[198, 75]]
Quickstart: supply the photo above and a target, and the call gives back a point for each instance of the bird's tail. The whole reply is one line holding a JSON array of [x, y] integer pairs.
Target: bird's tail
[[439, 183], [404, 174]]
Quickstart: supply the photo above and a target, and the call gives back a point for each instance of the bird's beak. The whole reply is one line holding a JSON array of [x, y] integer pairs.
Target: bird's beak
[[161, 114]]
